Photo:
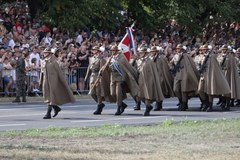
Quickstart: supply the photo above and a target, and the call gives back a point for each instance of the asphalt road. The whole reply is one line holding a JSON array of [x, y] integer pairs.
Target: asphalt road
[[80, 114]]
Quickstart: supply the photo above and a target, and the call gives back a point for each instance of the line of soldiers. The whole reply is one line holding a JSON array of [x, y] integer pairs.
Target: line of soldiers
[[150, 78]]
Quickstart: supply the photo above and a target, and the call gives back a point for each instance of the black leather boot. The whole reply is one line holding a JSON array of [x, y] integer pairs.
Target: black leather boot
[[147, 111], [232, 103], [158, 106], [17, 100], [138, 106], [124, 106], [56, 110], [99, 109], [48, 114], [223, 104], [179, 104], [118, 111], [227, 106], [24, 99], [238, 102], [220, 100], [184, 106], [209, 109], [204, 106]]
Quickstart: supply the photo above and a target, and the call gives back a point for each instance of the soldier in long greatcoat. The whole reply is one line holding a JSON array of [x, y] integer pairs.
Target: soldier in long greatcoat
[[55, 89], [123, 79], [165, 76], [149, 81], [212, 81], [186, 76], [228, 64]]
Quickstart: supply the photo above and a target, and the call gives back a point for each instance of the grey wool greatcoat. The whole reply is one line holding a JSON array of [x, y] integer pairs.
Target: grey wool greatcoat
[[188, 75], [55, 88], [148, 81], [231, 72], [166, 78], [213, 80]]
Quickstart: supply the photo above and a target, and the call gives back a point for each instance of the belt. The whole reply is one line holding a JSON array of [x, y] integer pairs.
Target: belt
[[95, 70]]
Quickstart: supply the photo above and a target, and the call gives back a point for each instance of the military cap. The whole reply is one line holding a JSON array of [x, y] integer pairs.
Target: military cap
[[115, 48], [47, 50], [179, 46], [143, 49], [224, 47], [204, 47], [153, 49], [95, 48]]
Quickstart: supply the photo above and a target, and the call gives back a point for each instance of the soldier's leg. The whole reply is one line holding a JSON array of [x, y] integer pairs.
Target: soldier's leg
[[184, 102], [48, 114], [238, 102], [226, 102], [203, 96], [99, 99], [158, 106], [56, 109], [93, 95], [138, 103], [177, 91], [23, 90], [148, 107], [119, 98], [220, 101], [210, 104], [232, 102], [18, 92]]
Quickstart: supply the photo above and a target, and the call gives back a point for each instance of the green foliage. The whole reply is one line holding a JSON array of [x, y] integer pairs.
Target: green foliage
[[149, 14]]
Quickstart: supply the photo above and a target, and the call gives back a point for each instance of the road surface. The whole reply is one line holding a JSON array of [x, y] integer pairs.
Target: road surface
[[80, 114]]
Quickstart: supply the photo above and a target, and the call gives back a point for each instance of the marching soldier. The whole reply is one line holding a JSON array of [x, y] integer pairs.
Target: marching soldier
[[150, 88], [55, 89], [123, 79], [186, 76], [228, 64], [238, 64], [212, 81], [101, 91], [165, 76], [199, 57], [20, 78]]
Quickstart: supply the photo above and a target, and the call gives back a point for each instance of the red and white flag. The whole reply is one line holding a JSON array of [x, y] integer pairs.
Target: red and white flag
[[127, 43]]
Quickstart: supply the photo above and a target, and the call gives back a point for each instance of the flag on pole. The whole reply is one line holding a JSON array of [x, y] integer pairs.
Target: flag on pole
[[127, 43]]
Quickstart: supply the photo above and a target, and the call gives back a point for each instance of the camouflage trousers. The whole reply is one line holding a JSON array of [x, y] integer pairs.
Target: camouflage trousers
[[20, 87]]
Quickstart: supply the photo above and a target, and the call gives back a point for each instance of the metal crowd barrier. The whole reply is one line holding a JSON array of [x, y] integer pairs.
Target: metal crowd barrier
[[72, 78]]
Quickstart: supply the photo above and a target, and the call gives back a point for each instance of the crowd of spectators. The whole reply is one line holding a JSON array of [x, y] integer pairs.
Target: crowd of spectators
[[20, 33]]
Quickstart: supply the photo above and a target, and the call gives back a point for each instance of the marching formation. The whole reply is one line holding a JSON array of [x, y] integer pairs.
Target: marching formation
[[149, 78]]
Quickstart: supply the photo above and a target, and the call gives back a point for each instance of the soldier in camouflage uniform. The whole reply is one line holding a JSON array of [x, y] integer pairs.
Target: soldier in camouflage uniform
[[20, 78]]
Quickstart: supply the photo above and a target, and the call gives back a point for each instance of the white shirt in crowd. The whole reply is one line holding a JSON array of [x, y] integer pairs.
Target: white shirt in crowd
[[11, 43], [48, 40], [34, 55], [79, 39]]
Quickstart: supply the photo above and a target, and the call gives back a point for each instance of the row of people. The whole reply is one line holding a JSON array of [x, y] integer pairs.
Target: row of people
[[149, 78]]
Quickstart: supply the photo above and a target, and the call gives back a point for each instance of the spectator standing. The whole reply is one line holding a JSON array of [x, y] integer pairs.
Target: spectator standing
[[20, 78], [83, 60], [35, 55]]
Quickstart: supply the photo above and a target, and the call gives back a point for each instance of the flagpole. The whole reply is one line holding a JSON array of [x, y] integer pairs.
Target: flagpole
[[126, 33]]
